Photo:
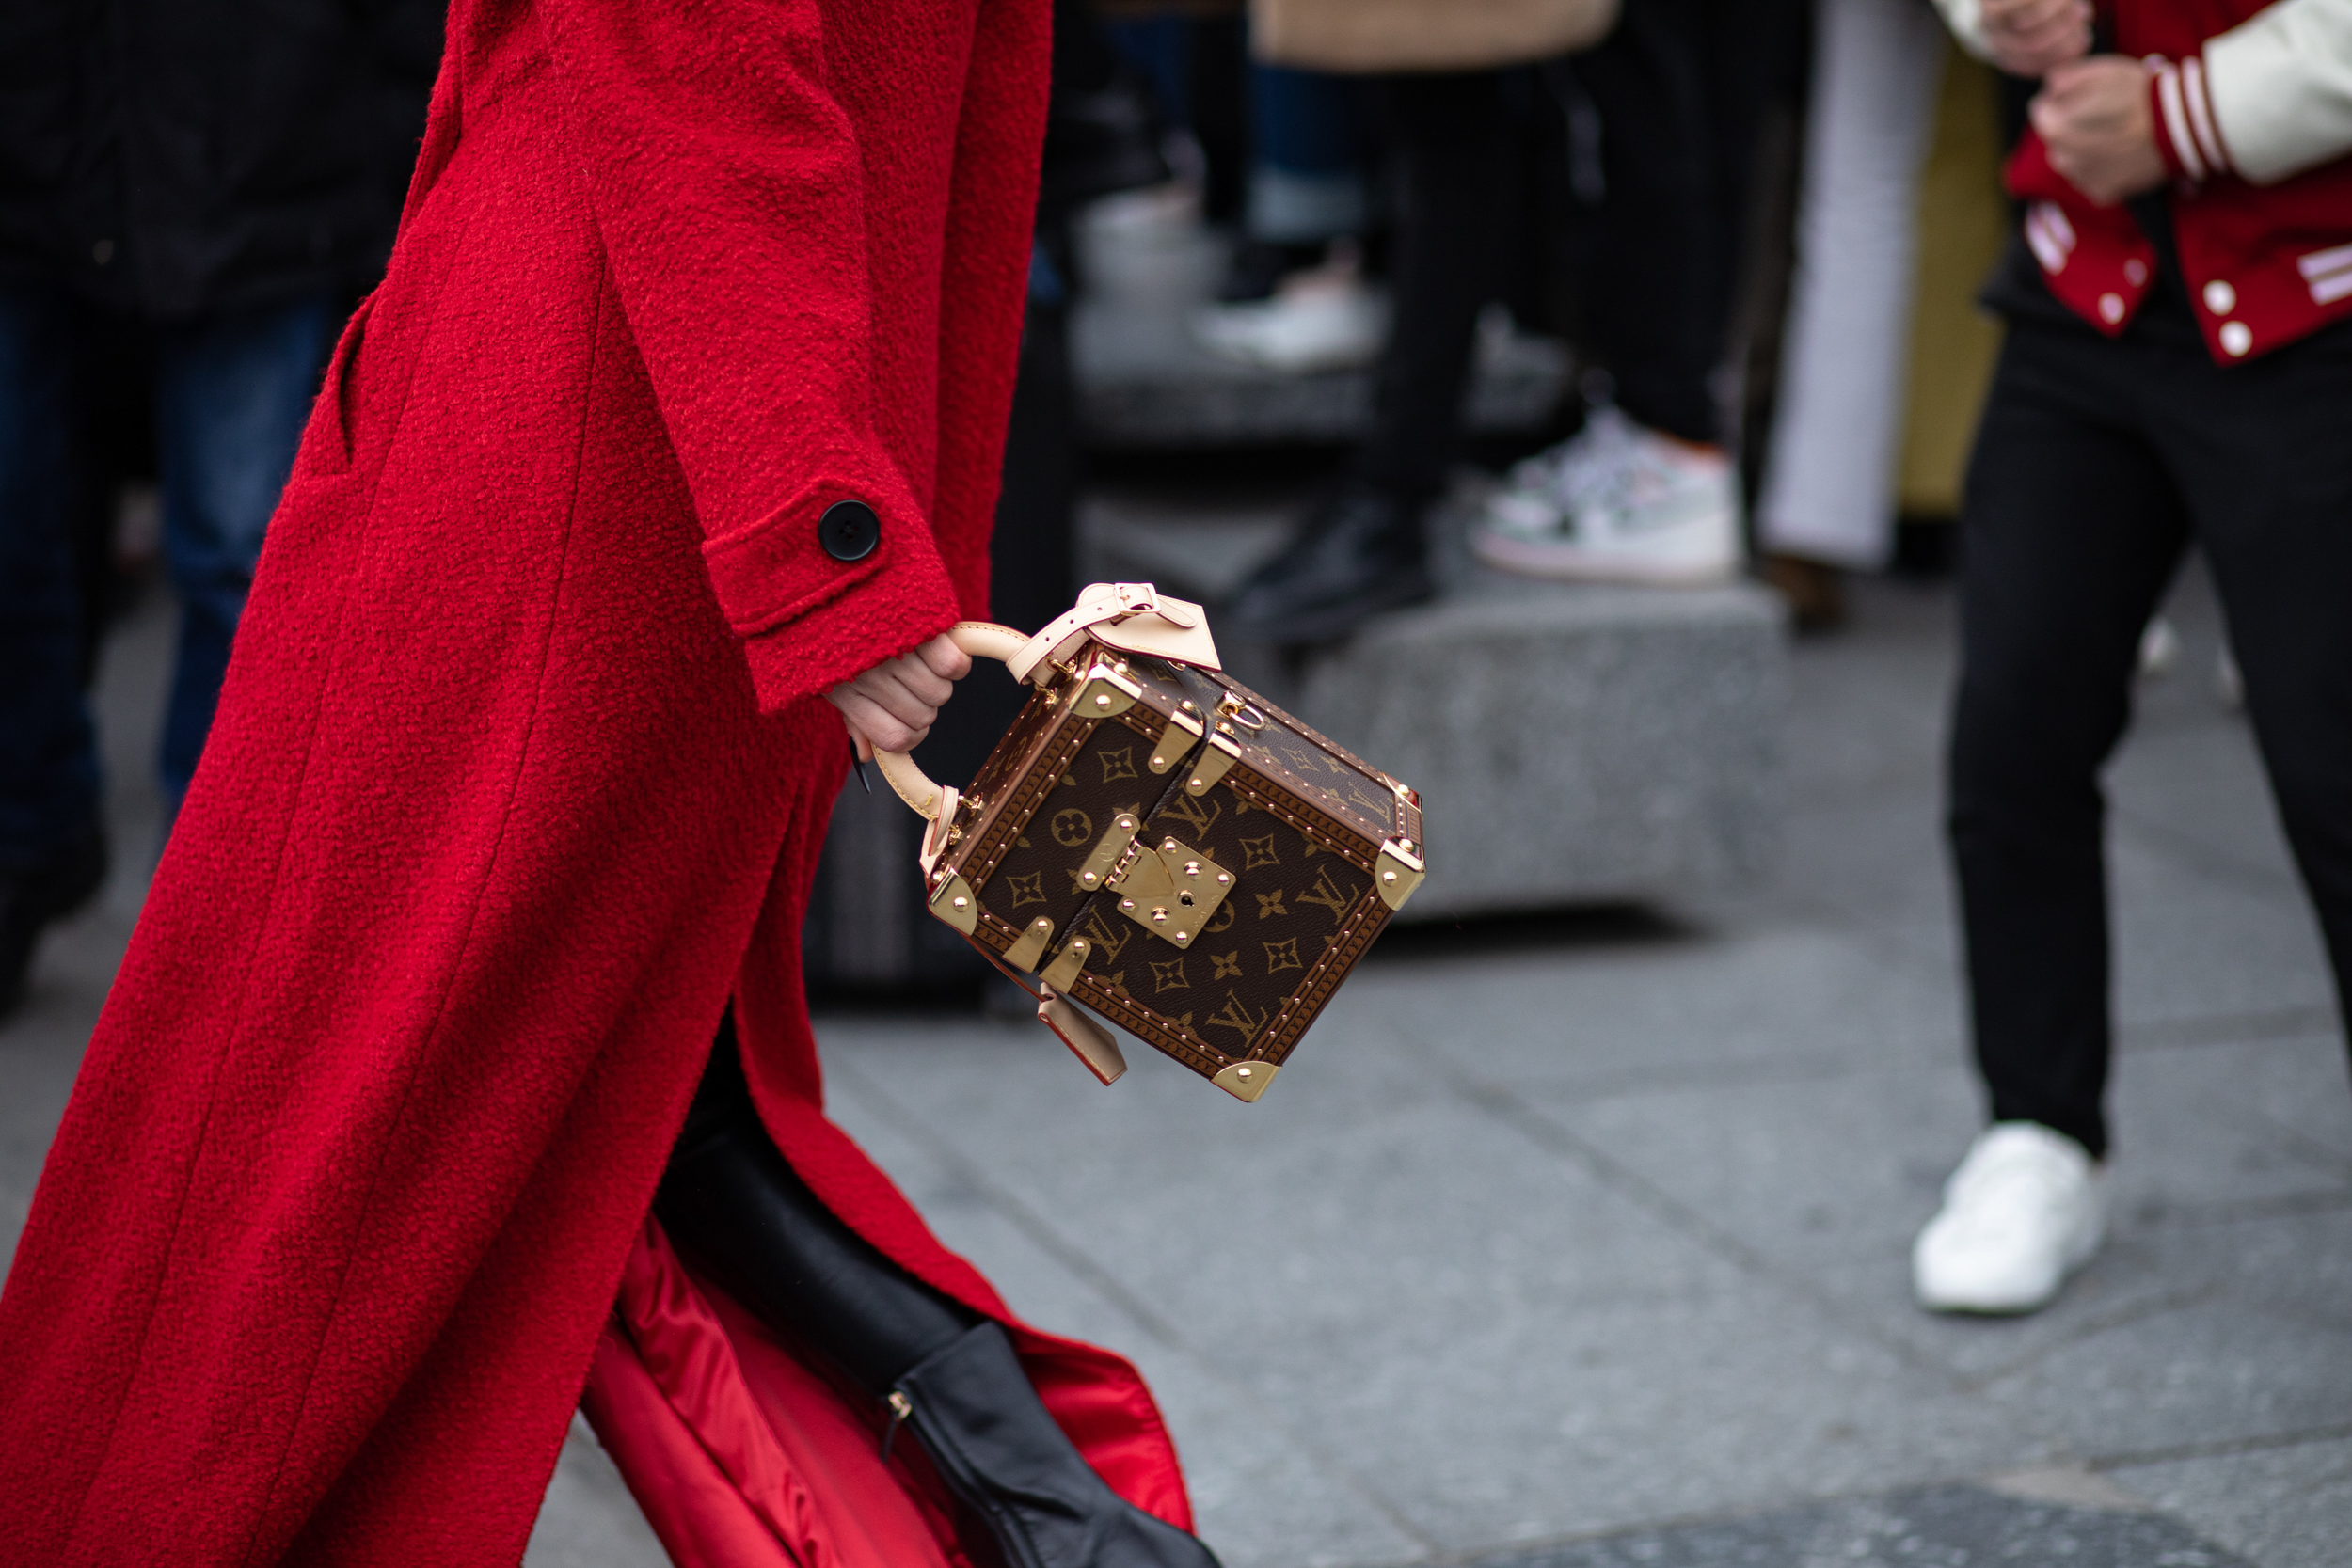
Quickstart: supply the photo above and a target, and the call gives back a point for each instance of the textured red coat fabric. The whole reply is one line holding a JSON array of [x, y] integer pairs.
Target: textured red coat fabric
[[521, 772]]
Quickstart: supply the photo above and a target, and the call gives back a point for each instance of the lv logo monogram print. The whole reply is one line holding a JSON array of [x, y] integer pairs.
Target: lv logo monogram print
[[1157, 842]]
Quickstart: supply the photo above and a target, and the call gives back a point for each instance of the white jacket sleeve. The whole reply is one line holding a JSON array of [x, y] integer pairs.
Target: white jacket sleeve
[[1965, 18], [2279, 88]]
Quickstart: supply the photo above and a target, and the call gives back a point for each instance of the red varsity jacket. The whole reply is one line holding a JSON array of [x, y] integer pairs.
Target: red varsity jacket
[[2266, 264]]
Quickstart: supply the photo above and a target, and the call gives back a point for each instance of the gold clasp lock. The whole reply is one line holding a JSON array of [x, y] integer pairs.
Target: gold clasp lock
[[1171, 893]]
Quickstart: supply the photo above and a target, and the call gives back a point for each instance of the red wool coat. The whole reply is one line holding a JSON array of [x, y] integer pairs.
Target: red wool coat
[[520, 774]]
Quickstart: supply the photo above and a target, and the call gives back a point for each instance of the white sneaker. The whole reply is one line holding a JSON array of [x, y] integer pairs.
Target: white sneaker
[[1546, 489], [1620, 503], [2026, 1208], [1325, 320]]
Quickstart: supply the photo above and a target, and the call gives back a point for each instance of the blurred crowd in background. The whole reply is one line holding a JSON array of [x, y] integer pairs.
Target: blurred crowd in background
[[1759, 225]]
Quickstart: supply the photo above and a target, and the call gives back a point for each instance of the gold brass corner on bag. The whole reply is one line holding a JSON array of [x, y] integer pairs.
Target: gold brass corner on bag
[[1029, 945], [1398, 871], [954, 903], [1220, 753], [1108, 692], [1246, 1081], [1063, 972]]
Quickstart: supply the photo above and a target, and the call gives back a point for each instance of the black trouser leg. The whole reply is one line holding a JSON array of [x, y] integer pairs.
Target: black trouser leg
[[730, 1201], [2262, 455], [1454, 143], [1679, 87], [2071, 530]]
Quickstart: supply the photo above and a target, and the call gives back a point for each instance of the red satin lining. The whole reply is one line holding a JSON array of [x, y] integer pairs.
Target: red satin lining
[[739, 1455]]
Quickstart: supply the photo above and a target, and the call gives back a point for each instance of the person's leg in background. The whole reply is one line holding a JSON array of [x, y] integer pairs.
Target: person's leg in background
[[2071, 530], [1829, 479], [232, 392], [52, 851], [1294, 298], [1646, 492], [1362, 550]]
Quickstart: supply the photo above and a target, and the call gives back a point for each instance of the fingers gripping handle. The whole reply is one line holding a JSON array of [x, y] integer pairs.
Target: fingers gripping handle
[[982, 639]]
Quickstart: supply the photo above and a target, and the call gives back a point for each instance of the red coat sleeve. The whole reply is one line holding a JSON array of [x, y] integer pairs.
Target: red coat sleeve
[[727, 188]]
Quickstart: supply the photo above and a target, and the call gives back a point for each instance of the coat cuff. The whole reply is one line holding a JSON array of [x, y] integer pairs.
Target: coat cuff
[[2188, 135], [886, 614], [810, 619]]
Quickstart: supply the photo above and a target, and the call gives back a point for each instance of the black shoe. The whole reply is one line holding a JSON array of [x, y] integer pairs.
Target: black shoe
[[1361, 551], [36, 896], [972, 1408]]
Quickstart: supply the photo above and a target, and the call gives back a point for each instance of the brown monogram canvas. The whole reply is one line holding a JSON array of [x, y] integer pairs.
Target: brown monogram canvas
[[1318, 848]]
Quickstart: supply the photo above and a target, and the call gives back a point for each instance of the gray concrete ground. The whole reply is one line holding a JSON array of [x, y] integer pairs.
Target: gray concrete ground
[[1580, 1242]]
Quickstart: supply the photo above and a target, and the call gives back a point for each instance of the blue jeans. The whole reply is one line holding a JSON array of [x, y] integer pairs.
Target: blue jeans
[[231, 393], [1306, 179]]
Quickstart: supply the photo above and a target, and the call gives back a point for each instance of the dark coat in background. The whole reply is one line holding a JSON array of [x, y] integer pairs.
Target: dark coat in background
[[173, 158]]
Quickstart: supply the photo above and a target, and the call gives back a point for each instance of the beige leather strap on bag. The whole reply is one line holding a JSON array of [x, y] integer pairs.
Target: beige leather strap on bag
[[1134, 617], [1422, 34]]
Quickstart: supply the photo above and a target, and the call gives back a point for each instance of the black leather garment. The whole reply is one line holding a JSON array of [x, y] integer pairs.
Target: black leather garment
[[972, 1408], [729, 1200], [1360, 551]]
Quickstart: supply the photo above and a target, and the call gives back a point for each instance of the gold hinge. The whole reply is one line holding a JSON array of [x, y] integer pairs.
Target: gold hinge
[[1219, 755], [1103, 859], [1181, 732], [1064, 970], [1029, 945]]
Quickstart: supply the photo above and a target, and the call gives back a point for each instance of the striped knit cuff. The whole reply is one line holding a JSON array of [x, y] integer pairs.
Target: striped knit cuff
[[2187, 135]]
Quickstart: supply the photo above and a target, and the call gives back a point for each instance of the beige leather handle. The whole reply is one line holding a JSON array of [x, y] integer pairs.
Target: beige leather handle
[[982, 639]]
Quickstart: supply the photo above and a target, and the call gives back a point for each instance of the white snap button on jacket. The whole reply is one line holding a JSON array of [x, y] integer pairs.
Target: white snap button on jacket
[[2221, 299], [2235, 338]]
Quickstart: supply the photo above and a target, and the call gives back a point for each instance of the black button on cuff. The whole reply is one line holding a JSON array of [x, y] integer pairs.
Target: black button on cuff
[[850, 530]]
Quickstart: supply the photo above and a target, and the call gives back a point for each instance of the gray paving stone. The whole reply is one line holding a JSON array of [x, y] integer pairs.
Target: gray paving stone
[[1486, 1334], [2280, 1508], [1263, 1495], [2216, 1371], [1574, 745], [1945, 1527], [1760, 1005], [589, 1520]]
